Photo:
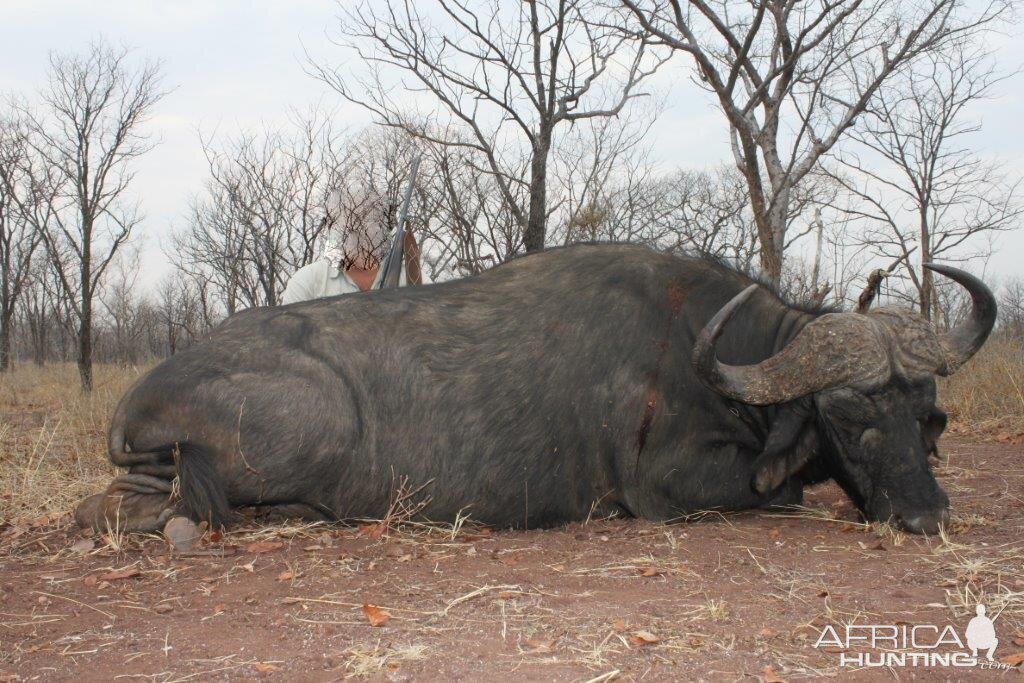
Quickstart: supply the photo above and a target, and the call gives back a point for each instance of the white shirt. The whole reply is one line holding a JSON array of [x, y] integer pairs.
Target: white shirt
[[324, 278]]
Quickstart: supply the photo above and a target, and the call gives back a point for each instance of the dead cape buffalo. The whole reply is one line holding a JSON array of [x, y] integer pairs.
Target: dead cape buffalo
[[583, 380]]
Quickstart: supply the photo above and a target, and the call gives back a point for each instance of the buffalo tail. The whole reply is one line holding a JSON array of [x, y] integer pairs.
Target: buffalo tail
[[200, 486]]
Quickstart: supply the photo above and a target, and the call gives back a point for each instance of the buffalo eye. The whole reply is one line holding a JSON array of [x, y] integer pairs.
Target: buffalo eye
[[932, 426]]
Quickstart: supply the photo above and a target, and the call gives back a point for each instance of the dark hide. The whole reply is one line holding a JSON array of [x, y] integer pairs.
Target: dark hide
[[552, 387]]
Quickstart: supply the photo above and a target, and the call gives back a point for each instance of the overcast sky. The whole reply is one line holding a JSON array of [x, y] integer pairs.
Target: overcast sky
[[237, 64]]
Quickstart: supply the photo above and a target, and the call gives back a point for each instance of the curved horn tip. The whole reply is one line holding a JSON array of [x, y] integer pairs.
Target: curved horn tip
[[965, 339], [713, 328], [704, 357]]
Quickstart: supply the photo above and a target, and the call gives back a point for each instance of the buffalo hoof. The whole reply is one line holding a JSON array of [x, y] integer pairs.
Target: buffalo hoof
[[132, 502], [87, 514], [788, 495], [182, 533]]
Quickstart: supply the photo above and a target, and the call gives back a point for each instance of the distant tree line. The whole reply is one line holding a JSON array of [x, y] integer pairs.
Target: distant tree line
[[850, 127]]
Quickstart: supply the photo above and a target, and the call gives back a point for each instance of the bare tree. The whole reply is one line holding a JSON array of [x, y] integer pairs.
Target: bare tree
[[261, 215], [125, 310], [505, 75], [18, 239], [791, 78], [1011, 308], [931, 194], [84, 141], [470, 226], [180, 315]]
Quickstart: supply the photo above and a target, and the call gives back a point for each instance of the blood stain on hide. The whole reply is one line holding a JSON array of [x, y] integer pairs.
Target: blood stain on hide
[[676, 296]]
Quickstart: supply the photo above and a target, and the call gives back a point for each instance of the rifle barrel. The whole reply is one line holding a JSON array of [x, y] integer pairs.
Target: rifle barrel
[[393, 264]]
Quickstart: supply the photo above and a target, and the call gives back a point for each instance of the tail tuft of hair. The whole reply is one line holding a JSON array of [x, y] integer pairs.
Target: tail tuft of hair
[[200, 486]]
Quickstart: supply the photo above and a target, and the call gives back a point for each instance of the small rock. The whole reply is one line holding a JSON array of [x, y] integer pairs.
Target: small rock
[[83, 546], [182, 533], [163, 608]]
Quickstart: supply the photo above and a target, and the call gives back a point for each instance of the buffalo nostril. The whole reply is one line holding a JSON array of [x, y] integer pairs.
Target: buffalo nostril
[[925, 523]]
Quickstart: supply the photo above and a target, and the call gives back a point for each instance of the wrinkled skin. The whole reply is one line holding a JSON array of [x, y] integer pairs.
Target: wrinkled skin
[[577, 382], [878, 443], [132, 502], [870, 378]]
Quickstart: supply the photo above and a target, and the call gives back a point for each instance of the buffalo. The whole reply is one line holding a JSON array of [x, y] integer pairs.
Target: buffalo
[[584, 380]]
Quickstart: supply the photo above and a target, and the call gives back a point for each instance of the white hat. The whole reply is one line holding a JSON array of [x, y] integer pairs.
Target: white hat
[[363, 233]]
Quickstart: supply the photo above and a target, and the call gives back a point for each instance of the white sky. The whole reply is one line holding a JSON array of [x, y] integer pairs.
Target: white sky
[[239, 64]]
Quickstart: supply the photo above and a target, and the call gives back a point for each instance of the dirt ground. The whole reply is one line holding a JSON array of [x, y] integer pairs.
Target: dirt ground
[[743, 596]]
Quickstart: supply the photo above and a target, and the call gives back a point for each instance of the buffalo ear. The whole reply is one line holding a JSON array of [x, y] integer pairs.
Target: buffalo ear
[[931, 429], [791, 442]]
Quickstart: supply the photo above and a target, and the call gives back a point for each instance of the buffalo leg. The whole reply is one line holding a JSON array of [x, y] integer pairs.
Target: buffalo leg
[[133, 502], [790, 493], [284, 511]]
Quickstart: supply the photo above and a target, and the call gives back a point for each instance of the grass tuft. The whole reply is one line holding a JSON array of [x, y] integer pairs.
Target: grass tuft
[[53, 437]]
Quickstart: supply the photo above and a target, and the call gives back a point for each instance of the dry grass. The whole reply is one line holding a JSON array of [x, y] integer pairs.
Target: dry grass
[[988, 393], [53, 437]]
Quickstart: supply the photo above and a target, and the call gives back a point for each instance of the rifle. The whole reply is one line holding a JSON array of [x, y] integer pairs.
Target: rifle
[[392, 266]]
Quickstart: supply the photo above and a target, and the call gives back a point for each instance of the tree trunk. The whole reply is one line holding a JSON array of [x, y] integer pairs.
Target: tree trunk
[[85, 323], [85, 345], [927, 289], [769, 220], [534, 236], [6, 314], [771, 233], [39, 353], [5, 342]]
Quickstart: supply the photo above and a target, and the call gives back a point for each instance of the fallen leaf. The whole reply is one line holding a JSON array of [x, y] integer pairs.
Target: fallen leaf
[[504, 595], [375, 615], [266, 668], [651, 571], [619, 625], [264, 546], [374, 531], [768, 675], [117, 574], [1016, 659], [774, 534], [767, 633], [90, 580], [220, 608], [286, 575], [640, 638], [540, 644]]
